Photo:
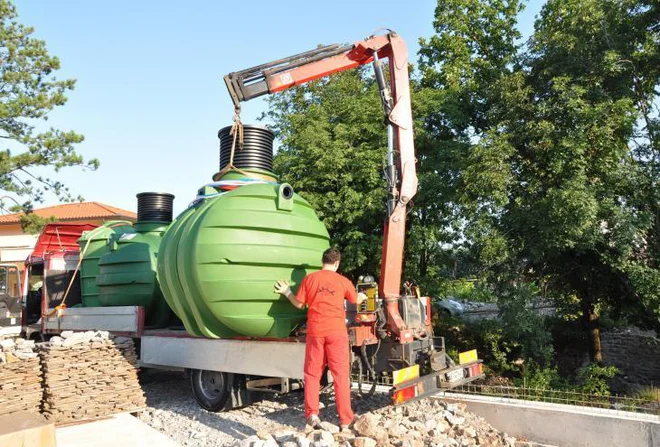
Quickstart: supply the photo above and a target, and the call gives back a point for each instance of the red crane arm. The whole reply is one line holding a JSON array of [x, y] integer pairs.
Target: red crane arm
[[285, 73]]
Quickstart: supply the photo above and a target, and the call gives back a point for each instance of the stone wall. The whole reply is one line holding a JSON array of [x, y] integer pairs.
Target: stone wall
[[637, 355], [475, 311]]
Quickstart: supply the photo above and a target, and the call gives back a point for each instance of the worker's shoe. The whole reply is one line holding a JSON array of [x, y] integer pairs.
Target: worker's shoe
[[314, 422], [347, 427]]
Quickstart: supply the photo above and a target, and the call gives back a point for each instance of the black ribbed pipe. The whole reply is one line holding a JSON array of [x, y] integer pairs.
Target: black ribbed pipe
[[257, 151], [155, 207]]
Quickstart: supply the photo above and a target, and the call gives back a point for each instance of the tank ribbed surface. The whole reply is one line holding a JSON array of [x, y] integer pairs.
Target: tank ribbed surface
[[257, 150], [95, 244], [155, 207], [219, 261], [127, 273]]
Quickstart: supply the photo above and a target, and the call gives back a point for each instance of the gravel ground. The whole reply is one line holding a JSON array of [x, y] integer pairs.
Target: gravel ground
[[172, 409]]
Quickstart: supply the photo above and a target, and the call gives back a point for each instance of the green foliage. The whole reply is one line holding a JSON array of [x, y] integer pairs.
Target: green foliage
[[498, 348], [524, 353], [471, 50], [542, 378], [529, 331], [29, 91], [518, 345], [594, 379], [33, 224], [649, 394], [465, 290], [473, 45], [488, 337], [557, 170], [645, 281]]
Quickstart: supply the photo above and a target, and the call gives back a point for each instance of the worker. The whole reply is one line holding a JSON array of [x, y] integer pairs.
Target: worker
[[327, 337]]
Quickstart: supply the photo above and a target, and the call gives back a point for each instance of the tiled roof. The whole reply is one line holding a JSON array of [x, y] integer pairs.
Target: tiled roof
[[75, 211]]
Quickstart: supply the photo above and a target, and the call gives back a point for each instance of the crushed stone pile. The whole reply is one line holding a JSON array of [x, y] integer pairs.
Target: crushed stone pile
[[20, 377], [428, 422], [89, 375]]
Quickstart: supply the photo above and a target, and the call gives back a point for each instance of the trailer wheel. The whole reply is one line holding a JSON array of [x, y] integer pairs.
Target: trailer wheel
[[210, 389]]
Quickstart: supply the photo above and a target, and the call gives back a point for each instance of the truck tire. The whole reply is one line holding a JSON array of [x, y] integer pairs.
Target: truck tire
[[210, 389]]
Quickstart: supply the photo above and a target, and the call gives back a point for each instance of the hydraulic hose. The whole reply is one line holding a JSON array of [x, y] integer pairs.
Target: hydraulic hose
[[359, 362], [380, 327], [370, 368]]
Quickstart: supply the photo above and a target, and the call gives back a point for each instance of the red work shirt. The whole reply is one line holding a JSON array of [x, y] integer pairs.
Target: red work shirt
[[324, 292]]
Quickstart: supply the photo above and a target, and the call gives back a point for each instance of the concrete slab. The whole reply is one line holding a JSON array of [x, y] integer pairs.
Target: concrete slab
[[564, 425], [25, 429], [121, 429]]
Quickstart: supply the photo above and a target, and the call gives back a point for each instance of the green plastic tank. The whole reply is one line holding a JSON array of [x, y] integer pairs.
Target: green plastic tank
[[220, 259], [94, 244], [127, 272]]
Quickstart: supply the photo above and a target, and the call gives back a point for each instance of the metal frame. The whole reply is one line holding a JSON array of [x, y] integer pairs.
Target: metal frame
[[252, 82], [250, 357], [621, 404], [120, 320]]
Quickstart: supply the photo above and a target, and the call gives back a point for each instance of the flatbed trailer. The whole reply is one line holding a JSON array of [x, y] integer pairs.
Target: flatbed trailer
[[227, 373]]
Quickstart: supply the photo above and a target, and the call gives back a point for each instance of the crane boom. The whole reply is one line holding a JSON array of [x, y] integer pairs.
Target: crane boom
[[282, 74]]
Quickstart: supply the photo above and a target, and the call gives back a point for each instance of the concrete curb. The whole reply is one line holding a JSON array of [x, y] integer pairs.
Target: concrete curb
[[564, 425]]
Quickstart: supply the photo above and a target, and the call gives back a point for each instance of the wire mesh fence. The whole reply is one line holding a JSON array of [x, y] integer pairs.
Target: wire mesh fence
[[566, 397]]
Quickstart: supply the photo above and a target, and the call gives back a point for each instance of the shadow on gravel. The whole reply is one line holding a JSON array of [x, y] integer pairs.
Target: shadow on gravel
[[169, 391]]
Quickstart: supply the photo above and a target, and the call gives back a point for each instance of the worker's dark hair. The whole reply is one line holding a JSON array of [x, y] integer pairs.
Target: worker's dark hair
[[331, 255]]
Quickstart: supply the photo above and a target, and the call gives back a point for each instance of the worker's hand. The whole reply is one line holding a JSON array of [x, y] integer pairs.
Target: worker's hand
[[282, 287], [361, 298]]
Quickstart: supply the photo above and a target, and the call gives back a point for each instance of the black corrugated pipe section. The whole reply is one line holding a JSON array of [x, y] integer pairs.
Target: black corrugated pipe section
[[155, 207], [257, 151]]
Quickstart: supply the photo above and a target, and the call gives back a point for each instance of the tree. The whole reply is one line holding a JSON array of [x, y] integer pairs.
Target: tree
[[33, 224], [567, 177], [28, 92], [473, 47]]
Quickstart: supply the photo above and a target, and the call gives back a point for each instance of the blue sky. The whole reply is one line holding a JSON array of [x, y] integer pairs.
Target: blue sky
[[150, 97]]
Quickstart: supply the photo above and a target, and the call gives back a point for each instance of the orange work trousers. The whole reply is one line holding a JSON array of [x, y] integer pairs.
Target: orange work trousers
[[333, 351]]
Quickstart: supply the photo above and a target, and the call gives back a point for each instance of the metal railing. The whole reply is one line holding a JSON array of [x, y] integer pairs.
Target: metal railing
[[617, 403]]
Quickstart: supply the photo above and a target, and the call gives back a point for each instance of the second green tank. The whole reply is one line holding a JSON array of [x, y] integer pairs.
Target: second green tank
[[93, 245], [127, 272]]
